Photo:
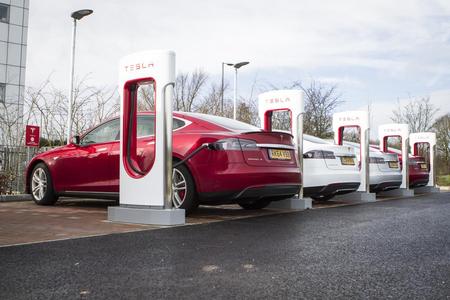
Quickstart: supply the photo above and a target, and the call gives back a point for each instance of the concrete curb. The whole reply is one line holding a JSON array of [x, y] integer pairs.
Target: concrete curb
[[12, 198], [444, 188]]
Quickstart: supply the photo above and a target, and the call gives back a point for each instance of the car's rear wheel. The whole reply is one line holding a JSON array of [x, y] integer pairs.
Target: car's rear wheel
[[258, 204], [183, 189], [322, 197], [41, 185]]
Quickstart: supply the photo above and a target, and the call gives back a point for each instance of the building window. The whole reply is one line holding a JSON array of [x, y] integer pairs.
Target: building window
[[4, 13], [2, 92]]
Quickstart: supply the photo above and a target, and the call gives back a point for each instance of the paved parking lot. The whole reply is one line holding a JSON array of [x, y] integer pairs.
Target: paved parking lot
[[389, 249], [26, 222]]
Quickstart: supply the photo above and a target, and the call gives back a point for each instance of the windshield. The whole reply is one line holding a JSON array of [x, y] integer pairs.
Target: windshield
[[225, 122]]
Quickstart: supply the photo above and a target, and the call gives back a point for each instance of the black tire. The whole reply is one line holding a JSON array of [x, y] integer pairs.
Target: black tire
[[190, 203], [37, 176], [257, 204], [322, 197]]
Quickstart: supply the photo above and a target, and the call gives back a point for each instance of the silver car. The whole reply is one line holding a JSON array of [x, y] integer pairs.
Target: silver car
[[384, 170]]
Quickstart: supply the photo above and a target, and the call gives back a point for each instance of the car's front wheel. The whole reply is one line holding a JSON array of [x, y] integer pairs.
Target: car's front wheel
[[41, 185], [183, 189]]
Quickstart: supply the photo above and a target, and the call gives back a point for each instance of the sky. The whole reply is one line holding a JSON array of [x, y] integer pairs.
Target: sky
[[376, 52]]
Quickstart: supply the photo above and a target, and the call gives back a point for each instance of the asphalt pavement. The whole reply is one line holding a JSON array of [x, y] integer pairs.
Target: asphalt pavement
[[390, 249]]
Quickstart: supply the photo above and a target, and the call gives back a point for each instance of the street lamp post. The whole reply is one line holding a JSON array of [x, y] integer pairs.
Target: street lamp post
[[76, 15], [236, 67], [221, 90]]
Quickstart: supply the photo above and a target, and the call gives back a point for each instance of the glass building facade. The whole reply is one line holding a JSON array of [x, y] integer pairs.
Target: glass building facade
[[13, 48]]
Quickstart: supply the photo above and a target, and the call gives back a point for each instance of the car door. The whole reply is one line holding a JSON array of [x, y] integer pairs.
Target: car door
[[89, 168], [145, 148]]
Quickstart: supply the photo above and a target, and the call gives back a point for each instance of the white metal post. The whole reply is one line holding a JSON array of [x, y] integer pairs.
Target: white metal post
[[72, 65], [299, 141], [221, 90], [235, 93]]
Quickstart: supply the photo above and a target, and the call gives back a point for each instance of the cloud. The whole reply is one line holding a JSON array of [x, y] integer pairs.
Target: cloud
[[375, 50]]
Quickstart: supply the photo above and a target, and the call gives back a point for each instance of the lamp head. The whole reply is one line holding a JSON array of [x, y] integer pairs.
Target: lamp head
[[79, 14], [238, 65]]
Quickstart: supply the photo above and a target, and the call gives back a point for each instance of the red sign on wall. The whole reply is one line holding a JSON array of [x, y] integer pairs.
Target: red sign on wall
[[32, 136]]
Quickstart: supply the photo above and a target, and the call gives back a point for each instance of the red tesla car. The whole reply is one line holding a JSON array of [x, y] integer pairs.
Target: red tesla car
[[418, 168], [241, 163]]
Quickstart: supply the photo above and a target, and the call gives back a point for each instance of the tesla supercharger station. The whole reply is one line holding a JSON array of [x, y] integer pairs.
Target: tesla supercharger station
[[146, 194], [356, 119], [386, 131], [292, 101], [428, 138]]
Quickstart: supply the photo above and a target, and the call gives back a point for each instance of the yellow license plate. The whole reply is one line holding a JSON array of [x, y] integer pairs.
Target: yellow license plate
[[279, 154], [424, 166], [346, 160], [393, 164]]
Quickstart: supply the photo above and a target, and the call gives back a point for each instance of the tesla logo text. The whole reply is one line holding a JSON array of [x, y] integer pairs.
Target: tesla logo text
[[278, 100], [392, 130], [423, 138], [348, 119], [138, 66]]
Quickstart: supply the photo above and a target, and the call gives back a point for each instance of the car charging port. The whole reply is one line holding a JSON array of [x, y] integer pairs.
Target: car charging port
[[196, 151]]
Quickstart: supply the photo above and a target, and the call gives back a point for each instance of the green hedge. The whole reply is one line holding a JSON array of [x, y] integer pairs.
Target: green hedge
[[443, 180]]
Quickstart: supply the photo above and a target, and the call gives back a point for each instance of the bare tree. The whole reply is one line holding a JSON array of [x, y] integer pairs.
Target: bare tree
[[247, 109], [188, 89], [210, 103], [10, 119], [281, 120], [146, 97], [321, 101], [46, 106], [442, 129], [106, 104], [418, 114]]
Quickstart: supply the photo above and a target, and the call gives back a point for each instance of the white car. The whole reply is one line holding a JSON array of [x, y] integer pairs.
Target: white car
[[384, 170], [328, 169]]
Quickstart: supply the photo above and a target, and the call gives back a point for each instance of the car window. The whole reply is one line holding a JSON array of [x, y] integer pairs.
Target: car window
[[106, 132], [177, 123], [146, 125], [110, 131]]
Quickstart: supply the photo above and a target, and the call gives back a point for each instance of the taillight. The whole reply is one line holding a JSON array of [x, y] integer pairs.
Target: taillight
[[376, 160], [328, 155], [235, 144], [319, 154], [247, 144], [313, 154]]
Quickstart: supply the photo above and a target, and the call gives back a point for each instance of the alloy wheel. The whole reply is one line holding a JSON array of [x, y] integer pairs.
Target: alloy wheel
[[179, 187], [39, 184]]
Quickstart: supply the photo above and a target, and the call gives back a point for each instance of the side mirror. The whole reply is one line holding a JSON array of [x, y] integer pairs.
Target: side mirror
[[76, 140]]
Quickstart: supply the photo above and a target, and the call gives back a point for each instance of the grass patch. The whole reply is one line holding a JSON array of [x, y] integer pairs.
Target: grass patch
[[443, 180]]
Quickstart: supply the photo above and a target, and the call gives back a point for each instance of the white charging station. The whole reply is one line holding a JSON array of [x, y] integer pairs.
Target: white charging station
[[356, 119], [146, 195], [429, 138], [292, 101], [386, 131]]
